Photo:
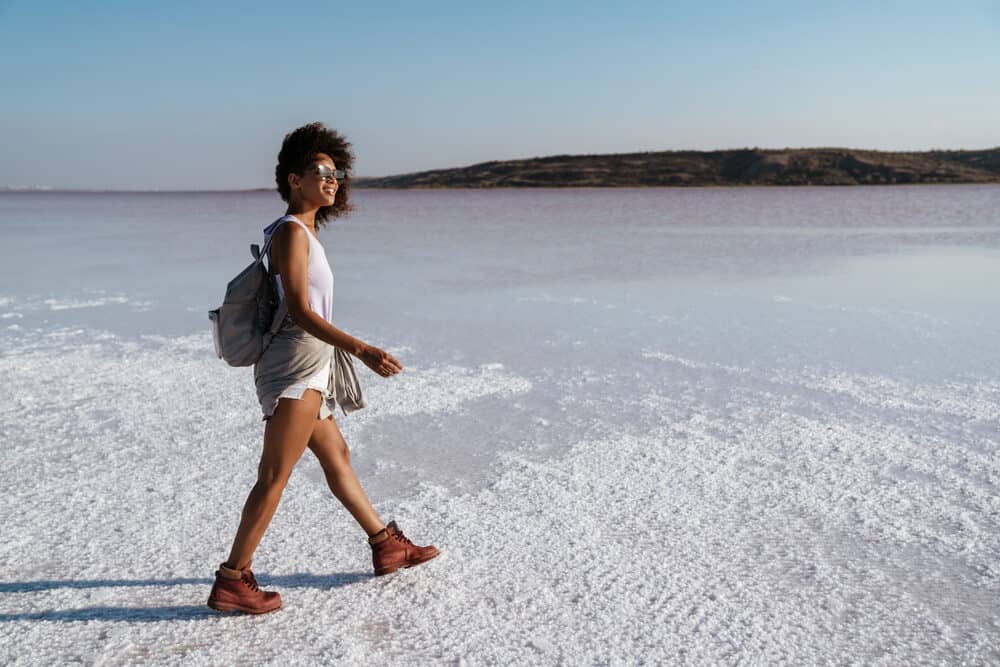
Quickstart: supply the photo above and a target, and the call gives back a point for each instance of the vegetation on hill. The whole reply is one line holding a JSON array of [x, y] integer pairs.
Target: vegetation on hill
[[749, 166]]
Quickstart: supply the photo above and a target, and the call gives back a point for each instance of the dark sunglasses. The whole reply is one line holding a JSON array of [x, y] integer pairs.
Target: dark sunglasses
[[328, 174]]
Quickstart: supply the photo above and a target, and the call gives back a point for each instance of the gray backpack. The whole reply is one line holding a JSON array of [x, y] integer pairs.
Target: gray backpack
[[250, 315]]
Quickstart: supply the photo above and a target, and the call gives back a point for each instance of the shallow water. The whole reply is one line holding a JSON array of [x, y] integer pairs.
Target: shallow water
[[790, 396]]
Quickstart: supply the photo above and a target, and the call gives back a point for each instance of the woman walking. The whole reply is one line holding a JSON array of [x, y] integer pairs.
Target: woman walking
[[293, 376]]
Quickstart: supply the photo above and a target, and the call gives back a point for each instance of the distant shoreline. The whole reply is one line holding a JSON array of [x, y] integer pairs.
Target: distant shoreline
[[726, 168], [69, 191], [747, 167]]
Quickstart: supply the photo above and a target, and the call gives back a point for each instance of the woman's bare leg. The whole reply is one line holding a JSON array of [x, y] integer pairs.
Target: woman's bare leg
[[285, 438], [329, 446]]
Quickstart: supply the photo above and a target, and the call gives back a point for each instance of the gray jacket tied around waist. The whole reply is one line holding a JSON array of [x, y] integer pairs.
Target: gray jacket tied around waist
[[292, 357]]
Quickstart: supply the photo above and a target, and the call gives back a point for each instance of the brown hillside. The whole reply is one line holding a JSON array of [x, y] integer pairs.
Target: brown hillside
[[752, 166]]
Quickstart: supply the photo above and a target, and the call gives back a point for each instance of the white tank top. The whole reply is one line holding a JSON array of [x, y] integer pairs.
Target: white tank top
[[320, 275]]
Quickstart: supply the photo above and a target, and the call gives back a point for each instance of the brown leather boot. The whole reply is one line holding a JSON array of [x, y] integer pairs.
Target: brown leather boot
[[392, 550], [237, 590]]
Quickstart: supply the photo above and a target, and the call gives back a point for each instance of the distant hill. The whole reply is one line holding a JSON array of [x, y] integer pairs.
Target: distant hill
[[749, 166]]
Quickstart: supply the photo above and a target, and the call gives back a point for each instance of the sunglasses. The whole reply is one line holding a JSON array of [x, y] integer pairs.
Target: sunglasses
[[328, 174]]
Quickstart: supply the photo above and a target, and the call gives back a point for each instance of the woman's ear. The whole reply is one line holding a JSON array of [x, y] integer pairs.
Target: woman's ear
[[294, 180]]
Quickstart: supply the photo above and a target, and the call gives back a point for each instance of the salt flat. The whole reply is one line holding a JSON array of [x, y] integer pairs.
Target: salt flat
[[692, 437]]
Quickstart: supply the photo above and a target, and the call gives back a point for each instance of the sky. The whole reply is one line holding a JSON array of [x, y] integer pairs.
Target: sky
[[198, 95]]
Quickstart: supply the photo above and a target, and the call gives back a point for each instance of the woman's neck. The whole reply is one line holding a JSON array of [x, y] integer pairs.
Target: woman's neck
[[306, 216]]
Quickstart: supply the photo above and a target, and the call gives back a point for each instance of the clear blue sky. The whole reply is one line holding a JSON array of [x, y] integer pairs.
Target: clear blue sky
[[192, 95]]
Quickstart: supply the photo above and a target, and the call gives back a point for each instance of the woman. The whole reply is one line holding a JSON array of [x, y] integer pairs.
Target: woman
[[293, 376]]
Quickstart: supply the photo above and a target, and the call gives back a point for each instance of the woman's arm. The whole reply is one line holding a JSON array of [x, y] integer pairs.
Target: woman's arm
[[290, 255]]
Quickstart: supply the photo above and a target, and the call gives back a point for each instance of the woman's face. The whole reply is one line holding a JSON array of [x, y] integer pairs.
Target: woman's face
[[317, 184]]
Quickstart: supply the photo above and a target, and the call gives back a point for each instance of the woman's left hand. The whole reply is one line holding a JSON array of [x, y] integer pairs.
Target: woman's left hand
[[380, 361]]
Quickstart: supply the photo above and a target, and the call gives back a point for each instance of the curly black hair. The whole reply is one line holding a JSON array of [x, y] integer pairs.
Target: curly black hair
[[298, 151]]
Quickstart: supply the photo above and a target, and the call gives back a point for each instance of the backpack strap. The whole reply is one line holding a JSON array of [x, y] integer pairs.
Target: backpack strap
[[279, 316], [260, 253]]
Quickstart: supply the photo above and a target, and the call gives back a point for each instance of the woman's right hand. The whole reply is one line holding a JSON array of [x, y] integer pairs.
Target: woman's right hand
[[379, 361]]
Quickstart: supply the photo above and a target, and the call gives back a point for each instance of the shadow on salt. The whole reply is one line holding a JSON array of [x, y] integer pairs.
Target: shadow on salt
[[157, 614]]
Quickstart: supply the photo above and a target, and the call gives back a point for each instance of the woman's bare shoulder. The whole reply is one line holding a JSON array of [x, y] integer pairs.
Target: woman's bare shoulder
[[290, 236], [289, 244]]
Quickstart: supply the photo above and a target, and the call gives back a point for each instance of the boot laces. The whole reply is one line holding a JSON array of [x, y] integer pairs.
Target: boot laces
[[249, 580], [398, 534]]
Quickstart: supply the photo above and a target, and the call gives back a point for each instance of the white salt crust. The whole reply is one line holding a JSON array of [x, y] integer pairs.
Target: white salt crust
[[804, 519]]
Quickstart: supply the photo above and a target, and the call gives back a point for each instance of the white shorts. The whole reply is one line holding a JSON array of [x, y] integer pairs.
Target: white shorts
[[320, 381]]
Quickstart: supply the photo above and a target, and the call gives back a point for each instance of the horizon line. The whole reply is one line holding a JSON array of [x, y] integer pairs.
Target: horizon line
[[60, 189]]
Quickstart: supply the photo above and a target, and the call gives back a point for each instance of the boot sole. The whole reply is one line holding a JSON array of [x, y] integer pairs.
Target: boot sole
[[382, 571], [229, 608]]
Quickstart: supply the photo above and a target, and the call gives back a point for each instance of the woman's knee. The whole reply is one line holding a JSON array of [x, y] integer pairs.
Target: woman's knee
[[343, 452], [329, 446], [272, 479], [339, 455]]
